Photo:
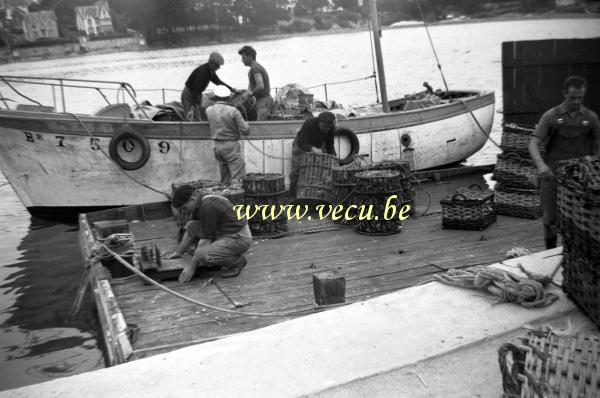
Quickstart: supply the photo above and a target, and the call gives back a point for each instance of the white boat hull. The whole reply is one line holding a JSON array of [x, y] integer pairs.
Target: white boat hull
[[56, 160]]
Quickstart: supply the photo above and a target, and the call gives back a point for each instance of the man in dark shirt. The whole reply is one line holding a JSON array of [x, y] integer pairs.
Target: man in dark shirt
[[258, 83], [222, 237], [568, 131], [315, 135], [191, 96]]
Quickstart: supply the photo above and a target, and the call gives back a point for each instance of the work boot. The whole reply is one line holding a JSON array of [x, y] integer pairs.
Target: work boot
[[235, 269], [550, 243]]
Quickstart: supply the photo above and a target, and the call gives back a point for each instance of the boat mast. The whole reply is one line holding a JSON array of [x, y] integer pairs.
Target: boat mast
[[378, 56]]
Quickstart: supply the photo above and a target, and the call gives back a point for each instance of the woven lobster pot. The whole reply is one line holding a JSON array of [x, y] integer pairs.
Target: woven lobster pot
[[470, 208], [378, 181], [344, 195], [515, 202], [346, 175], [208, 187], [266, 190], [315, 181], [515, 171], [516, 138], [258, 183], [581, 282], [381, 222], [550, 366], [578, 202]]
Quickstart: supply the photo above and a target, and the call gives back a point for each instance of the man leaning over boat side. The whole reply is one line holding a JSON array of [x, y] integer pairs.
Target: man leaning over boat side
[[222, 237], [258, 83], [315, 135], [226, 128], [191, 96], [568, 131]]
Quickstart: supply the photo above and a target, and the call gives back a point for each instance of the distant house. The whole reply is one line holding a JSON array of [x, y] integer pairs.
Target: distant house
[[38, 25], [94, 20], [564, 3]]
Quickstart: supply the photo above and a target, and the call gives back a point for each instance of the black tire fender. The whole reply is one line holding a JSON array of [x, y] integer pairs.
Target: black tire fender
[[120, 139], [354, 144]]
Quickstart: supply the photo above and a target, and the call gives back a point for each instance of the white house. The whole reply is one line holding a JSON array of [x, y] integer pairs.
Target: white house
[[94, 20]]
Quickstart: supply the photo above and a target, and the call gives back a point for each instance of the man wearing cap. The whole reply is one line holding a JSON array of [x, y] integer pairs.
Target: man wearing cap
[[222, 237], [226, 128], [258, 83], [191, 96], [315, 135]]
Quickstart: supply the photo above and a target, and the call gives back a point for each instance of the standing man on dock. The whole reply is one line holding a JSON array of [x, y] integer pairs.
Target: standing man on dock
[[226, 128], [222, 237], [315, 135], [567, 131], [191, 96], [258, 83]]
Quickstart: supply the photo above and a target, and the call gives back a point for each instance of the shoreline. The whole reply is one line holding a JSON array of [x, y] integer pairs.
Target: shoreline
[[282, 36]]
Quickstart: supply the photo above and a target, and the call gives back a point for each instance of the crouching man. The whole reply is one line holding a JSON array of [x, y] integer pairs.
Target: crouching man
[[222, 237]]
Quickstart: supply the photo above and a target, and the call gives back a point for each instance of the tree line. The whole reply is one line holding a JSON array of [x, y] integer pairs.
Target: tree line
[[154, 17]]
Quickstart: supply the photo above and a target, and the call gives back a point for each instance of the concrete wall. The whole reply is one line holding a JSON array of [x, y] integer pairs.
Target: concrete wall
[[68, 49]]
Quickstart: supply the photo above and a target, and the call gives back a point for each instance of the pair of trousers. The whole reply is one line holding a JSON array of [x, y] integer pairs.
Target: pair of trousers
[[231, 161], [297, 153], [190, 103], [225, 251], [548, 189], [263, 107]]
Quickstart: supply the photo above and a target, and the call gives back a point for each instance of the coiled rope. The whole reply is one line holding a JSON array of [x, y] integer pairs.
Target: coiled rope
[[507, 286]]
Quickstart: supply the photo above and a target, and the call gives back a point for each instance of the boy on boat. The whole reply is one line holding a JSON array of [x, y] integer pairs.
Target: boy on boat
[[258, 83], [222, 237], [315, 135], [191, 96], [226, 128], [568, 131]]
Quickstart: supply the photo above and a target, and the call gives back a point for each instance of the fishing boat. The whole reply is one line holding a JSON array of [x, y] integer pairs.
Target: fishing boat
[[64, 163]]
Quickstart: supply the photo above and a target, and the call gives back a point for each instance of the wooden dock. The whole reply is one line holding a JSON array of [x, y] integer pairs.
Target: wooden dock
[[141, 320]]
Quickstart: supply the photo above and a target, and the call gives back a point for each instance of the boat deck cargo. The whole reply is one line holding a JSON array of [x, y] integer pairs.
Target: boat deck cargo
[[141, 320]]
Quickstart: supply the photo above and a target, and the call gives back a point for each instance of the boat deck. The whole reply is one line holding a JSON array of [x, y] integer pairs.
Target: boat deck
[[278, 276]]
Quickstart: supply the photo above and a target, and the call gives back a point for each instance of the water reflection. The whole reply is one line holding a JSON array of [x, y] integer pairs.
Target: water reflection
[[39, 278]]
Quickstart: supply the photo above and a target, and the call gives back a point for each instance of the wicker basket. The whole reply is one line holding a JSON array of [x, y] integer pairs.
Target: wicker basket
[[469, 209], [515, 171], [515, 202], [582, 282], [550, 366], [516, 138]]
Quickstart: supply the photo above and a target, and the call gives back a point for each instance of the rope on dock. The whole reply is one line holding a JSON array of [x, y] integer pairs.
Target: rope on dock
[[507, 286], [193, 301]]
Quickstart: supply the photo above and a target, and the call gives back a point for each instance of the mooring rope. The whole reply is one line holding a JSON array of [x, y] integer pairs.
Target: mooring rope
[[488, 136], [507, 286], [212, 307]]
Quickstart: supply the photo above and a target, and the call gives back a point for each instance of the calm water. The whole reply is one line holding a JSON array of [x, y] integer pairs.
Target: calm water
[[40, 264]]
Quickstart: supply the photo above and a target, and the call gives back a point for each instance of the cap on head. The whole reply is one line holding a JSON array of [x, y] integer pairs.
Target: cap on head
[[222, 92], [216, 58], [326, 117], [182, 195]]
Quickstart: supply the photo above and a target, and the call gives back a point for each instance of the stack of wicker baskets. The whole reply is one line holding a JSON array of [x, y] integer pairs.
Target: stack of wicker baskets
[[578, 200], [546, 365], [516, 195]]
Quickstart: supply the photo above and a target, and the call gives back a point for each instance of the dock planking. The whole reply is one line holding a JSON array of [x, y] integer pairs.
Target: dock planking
[[278, 276]]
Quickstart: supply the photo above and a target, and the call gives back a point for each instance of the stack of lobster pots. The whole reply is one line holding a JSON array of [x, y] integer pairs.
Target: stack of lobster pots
[[345, 184], [578, 201], [266, 190], [379, 190], [516, 191], [207, 187]]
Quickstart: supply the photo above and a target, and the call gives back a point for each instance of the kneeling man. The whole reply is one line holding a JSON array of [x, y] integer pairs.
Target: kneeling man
[[222, 237]]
